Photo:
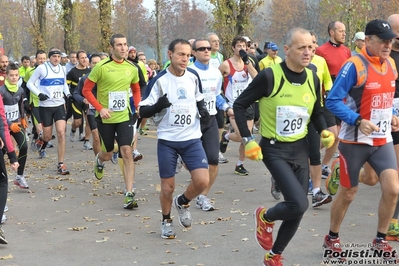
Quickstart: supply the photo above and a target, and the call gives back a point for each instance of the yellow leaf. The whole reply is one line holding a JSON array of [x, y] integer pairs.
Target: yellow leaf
[[7, 257]]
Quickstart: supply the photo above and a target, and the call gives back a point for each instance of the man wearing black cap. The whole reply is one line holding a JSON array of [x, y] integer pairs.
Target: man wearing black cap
[[362, 97]]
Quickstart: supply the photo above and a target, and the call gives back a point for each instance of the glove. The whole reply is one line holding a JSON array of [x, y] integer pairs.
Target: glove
[[42, 97], [253, 151], [70, 98], [244, 56], [327, 138], [205, 117], [15, 127], [24, 124], [163, 103]]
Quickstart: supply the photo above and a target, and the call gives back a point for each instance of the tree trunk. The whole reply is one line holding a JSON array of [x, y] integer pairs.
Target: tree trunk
[[105, 7]]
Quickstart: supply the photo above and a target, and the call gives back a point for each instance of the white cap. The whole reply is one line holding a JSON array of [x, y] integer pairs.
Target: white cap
[[359, 36], [247, 39]]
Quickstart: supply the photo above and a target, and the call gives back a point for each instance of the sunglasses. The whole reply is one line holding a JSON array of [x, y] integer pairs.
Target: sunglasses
[[202, 49]]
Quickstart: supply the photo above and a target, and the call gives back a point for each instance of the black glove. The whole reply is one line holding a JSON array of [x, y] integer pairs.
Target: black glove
[[244, 56], [162, 103], [205, 117], [70, 98], [42, 97]]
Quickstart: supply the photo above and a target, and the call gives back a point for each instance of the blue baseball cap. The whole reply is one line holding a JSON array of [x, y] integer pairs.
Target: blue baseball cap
[[272, 46]]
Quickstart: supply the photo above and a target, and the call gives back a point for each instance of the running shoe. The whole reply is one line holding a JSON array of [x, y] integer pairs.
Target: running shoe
[[167, 229], [61, 169], [183, 211], [275, 190], [98, 168], [2, 237], [332, 182], [393, 229], [42, 154], [320, 198], [264, 229], [333, 244], [179, 164], [240, 170], [20, 181], [224, 142], [3, 218], [49, 145], [222, 159], [142, 132], [382, 245], [336, 155], [130, 202], [72, 136], [272, 260], [137, 156], [325, 171], [87, 146], [36, 145], [6, 208], [204, 203], [114, 158], [82, 137]]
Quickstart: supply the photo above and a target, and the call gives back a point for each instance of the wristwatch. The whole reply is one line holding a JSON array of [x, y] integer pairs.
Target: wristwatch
[[358, 121], [245, 140]]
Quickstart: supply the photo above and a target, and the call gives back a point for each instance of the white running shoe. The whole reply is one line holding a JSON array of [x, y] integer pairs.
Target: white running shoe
[[204, 203], [222, 159], [184, 213], [20, 181], [179, 164], [3, 219], [72, 136], [87, 146], [167, 229]]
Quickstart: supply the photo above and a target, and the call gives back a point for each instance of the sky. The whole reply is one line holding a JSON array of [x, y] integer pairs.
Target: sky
[[149, 4]]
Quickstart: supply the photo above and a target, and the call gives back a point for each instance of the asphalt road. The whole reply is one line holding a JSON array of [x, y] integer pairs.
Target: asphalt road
[[78, 220]]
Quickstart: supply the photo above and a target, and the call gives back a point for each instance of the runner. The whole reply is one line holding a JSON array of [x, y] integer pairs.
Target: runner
[[114, 78], [176, 92], [366, 130], [289, 97]]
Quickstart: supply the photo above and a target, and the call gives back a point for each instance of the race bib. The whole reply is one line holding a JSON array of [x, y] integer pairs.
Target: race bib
[[181, 115], [396, 106], [238, 88], [11, 112], [381, 118], [291, 120], [117, 100], [55, 92], [209, 100]]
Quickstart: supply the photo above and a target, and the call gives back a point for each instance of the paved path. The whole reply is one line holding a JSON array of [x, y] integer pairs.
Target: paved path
[[77, 220]]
